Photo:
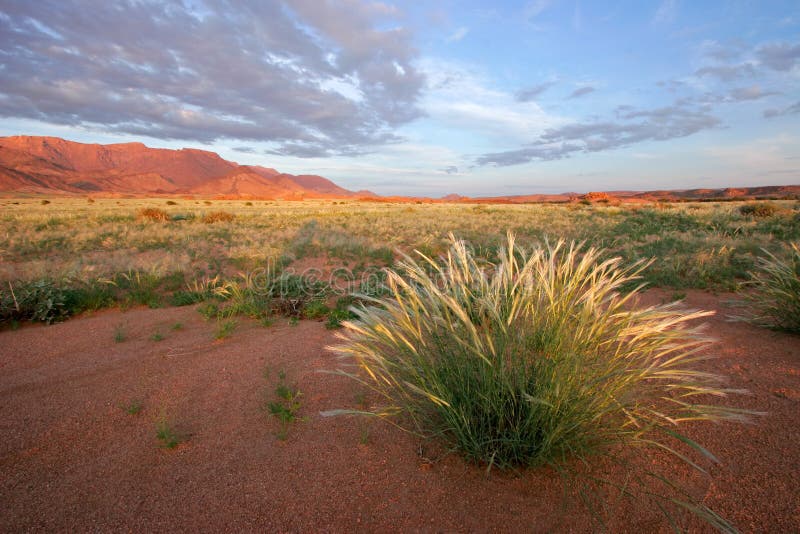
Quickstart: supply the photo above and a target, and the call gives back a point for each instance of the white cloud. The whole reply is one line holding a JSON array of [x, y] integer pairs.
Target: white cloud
[[461, 97], [457, 35], [666, 12], [759, 155], [534, 8]]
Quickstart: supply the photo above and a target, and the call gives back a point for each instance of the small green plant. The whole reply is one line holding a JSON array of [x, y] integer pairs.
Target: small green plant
[[167, 435], [243, 298], [225, 328], [209, 310], [287, 405], [138, 287], [186, 298], [157, 336], [134, 407], [293, 321], [177, 326], [120, 334], [315, 309], [537, 359], [336, 317], [774, 296]]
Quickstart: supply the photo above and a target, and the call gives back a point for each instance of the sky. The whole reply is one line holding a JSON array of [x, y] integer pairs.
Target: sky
[[423, 98]]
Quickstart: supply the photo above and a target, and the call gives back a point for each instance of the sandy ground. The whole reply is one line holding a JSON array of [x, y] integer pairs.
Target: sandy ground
[[72, 459]]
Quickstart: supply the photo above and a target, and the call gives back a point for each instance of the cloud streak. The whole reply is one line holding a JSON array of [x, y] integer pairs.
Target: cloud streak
[[531, 93], [632, 126], [306, 76], [581, 91]]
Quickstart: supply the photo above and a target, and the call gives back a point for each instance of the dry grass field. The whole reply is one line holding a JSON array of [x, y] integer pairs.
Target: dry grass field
[[696, 245]]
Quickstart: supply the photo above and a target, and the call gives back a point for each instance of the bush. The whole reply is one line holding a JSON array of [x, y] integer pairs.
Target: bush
[[775, 298], [534, 359], [49, 301], [759, 209], [217, 216], [315, 309], [153, 214]]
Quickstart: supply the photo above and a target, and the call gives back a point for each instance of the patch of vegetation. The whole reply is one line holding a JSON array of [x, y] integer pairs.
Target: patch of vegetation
[[157, 336], [341, 312], [167, 435], [209, 310], [316, 309], [225, 328], [153, 215], [218, 216], [287, 405], [535, 360], [49, 301], [119, 334], [759, 209], [134, 407], [183, 297], [773, 299]]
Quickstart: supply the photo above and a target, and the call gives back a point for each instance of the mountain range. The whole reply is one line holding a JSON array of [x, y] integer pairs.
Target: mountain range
[[50, 165]]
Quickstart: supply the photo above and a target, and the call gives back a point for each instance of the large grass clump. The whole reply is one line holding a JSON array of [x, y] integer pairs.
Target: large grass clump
[[534, 359], [774, 301]]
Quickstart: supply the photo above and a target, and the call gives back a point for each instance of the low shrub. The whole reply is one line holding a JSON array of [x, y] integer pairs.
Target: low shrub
[[217, 216], [49, 301], [759, 209], [153, 214], [535, 359]]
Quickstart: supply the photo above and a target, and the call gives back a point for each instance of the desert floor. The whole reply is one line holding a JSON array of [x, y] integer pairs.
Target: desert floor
[[72, 459]]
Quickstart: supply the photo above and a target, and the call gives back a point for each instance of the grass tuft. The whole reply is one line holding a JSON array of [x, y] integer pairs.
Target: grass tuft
[[774, 301], [535, 359], [218, 216], [153, 214]]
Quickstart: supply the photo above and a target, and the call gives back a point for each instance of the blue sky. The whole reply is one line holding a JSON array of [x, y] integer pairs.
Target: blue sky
[[424, 98]]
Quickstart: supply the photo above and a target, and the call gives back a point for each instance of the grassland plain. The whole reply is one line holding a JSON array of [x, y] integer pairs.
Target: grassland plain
[[151, 248], [69, 255]]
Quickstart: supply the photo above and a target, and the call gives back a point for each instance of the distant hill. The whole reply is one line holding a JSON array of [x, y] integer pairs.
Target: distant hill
[[680, 195], [51, 165]]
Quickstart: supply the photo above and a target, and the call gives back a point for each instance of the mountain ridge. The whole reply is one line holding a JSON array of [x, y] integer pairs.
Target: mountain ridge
[[33, 164]]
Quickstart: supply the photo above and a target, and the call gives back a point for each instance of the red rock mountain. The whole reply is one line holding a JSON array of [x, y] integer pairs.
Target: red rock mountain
[[53, 165]]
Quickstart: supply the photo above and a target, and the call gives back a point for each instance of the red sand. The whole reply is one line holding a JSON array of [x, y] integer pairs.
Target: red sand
[[71, 459]]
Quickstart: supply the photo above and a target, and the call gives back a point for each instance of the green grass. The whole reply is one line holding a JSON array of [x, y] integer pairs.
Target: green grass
[[119, 334], [134, 407], [167, 435], [286, 406], [225, 328], [535, 359], [157, 336], [64, 247]]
